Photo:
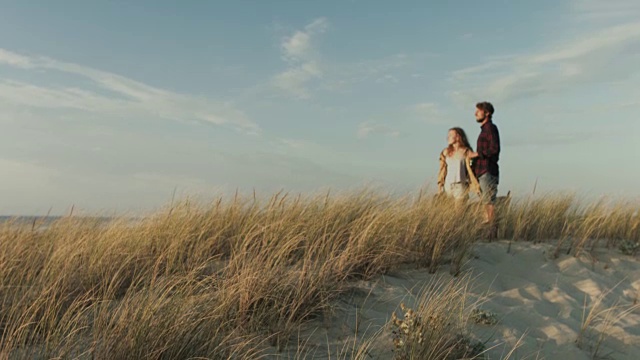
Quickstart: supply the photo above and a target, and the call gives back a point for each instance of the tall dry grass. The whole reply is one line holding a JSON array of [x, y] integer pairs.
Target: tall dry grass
[[237, 277], [573, 225]]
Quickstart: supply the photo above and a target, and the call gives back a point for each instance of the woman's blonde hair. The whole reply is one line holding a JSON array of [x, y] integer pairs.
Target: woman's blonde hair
[[463, 140]]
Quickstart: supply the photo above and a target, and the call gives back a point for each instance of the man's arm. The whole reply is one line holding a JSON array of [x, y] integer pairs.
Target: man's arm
[[492, 142]]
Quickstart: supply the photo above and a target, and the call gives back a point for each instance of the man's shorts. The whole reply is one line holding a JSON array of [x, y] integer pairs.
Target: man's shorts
[[488, 187]]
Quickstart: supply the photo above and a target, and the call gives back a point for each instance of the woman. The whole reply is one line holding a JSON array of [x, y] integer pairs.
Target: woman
[[455, 177]]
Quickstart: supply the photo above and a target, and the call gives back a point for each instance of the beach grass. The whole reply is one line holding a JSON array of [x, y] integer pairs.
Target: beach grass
[[239, 276]]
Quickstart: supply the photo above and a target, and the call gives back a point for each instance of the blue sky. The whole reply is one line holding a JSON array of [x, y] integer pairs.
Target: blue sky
[[112, 105]]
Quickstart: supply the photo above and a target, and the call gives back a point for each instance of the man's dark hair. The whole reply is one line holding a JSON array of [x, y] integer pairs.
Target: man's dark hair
[[486, 107]]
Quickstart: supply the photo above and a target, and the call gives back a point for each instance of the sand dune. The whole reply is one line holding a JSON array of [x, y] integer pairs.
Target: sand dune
[[535, 298], [546, 297]]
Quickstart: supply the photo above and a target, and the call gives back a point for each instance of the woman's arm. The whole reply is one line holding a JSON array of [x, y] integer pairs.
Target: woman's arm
[[442, 172]]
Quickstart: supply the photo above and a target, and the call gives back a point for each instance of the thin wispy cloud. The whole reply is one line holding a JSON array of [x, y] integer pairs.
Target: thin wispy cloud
[[598, 10], [366, 129], [293, 143], [375, 68], [129, 97], [386, 79], [599, 56], [489, 64]]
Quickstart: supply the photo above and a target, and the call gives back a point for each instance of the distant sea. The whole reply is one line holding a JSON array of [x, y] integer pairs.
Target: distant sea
[[29, 219], [44, 221]]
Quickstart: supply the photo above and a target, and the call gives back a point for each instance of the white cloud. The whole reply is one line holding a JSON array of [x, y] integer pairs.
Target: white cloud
[[365, 129], [429, 112], [318, 25], [25, 94], [14, 59], [604, 55], [302, 59], [295, 79], [130, 97], [298, 46]]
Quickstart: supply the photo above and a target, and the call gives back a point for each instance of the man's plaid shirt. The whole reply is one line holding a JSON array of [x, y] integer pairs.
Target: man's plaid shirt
[[488, 150]]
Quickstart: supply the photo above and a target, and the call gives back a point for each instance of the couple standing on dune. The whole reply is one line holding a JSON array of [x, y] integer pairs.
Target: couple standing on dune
[[462, 170]]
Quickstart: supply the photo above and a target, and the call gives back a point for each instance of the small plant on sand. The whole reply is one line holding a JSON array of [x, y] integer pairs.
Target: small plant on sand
[[629, 247], [408, 334], [408, 329], [435, 327], [485, 317]]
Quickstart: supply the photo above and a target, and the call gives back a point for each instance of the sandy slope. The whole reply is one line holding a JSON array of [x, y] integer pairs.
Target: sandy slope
[[531, 294]]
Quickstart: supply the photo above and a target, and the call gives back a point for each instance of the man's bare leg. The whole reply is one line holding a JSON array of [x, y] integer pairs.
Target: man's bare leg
[[490, 213], [490, 222]]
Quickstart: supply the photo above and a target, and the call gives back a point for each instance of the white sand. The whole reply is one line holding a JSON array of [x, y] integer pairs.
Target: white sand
[[532, 295]]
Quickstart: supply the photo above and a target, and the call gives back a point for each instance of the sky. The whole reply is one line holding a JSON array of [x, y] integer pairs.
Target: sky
[[117, 106]]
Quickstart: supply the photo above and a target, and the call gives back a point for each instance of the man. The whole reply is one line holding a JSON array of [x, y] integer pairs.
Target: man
[[486, 158]]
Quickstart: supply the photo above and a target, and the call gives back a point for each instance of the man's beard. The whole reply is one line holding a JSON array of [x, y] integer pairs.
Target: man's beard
[[480, 120]]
